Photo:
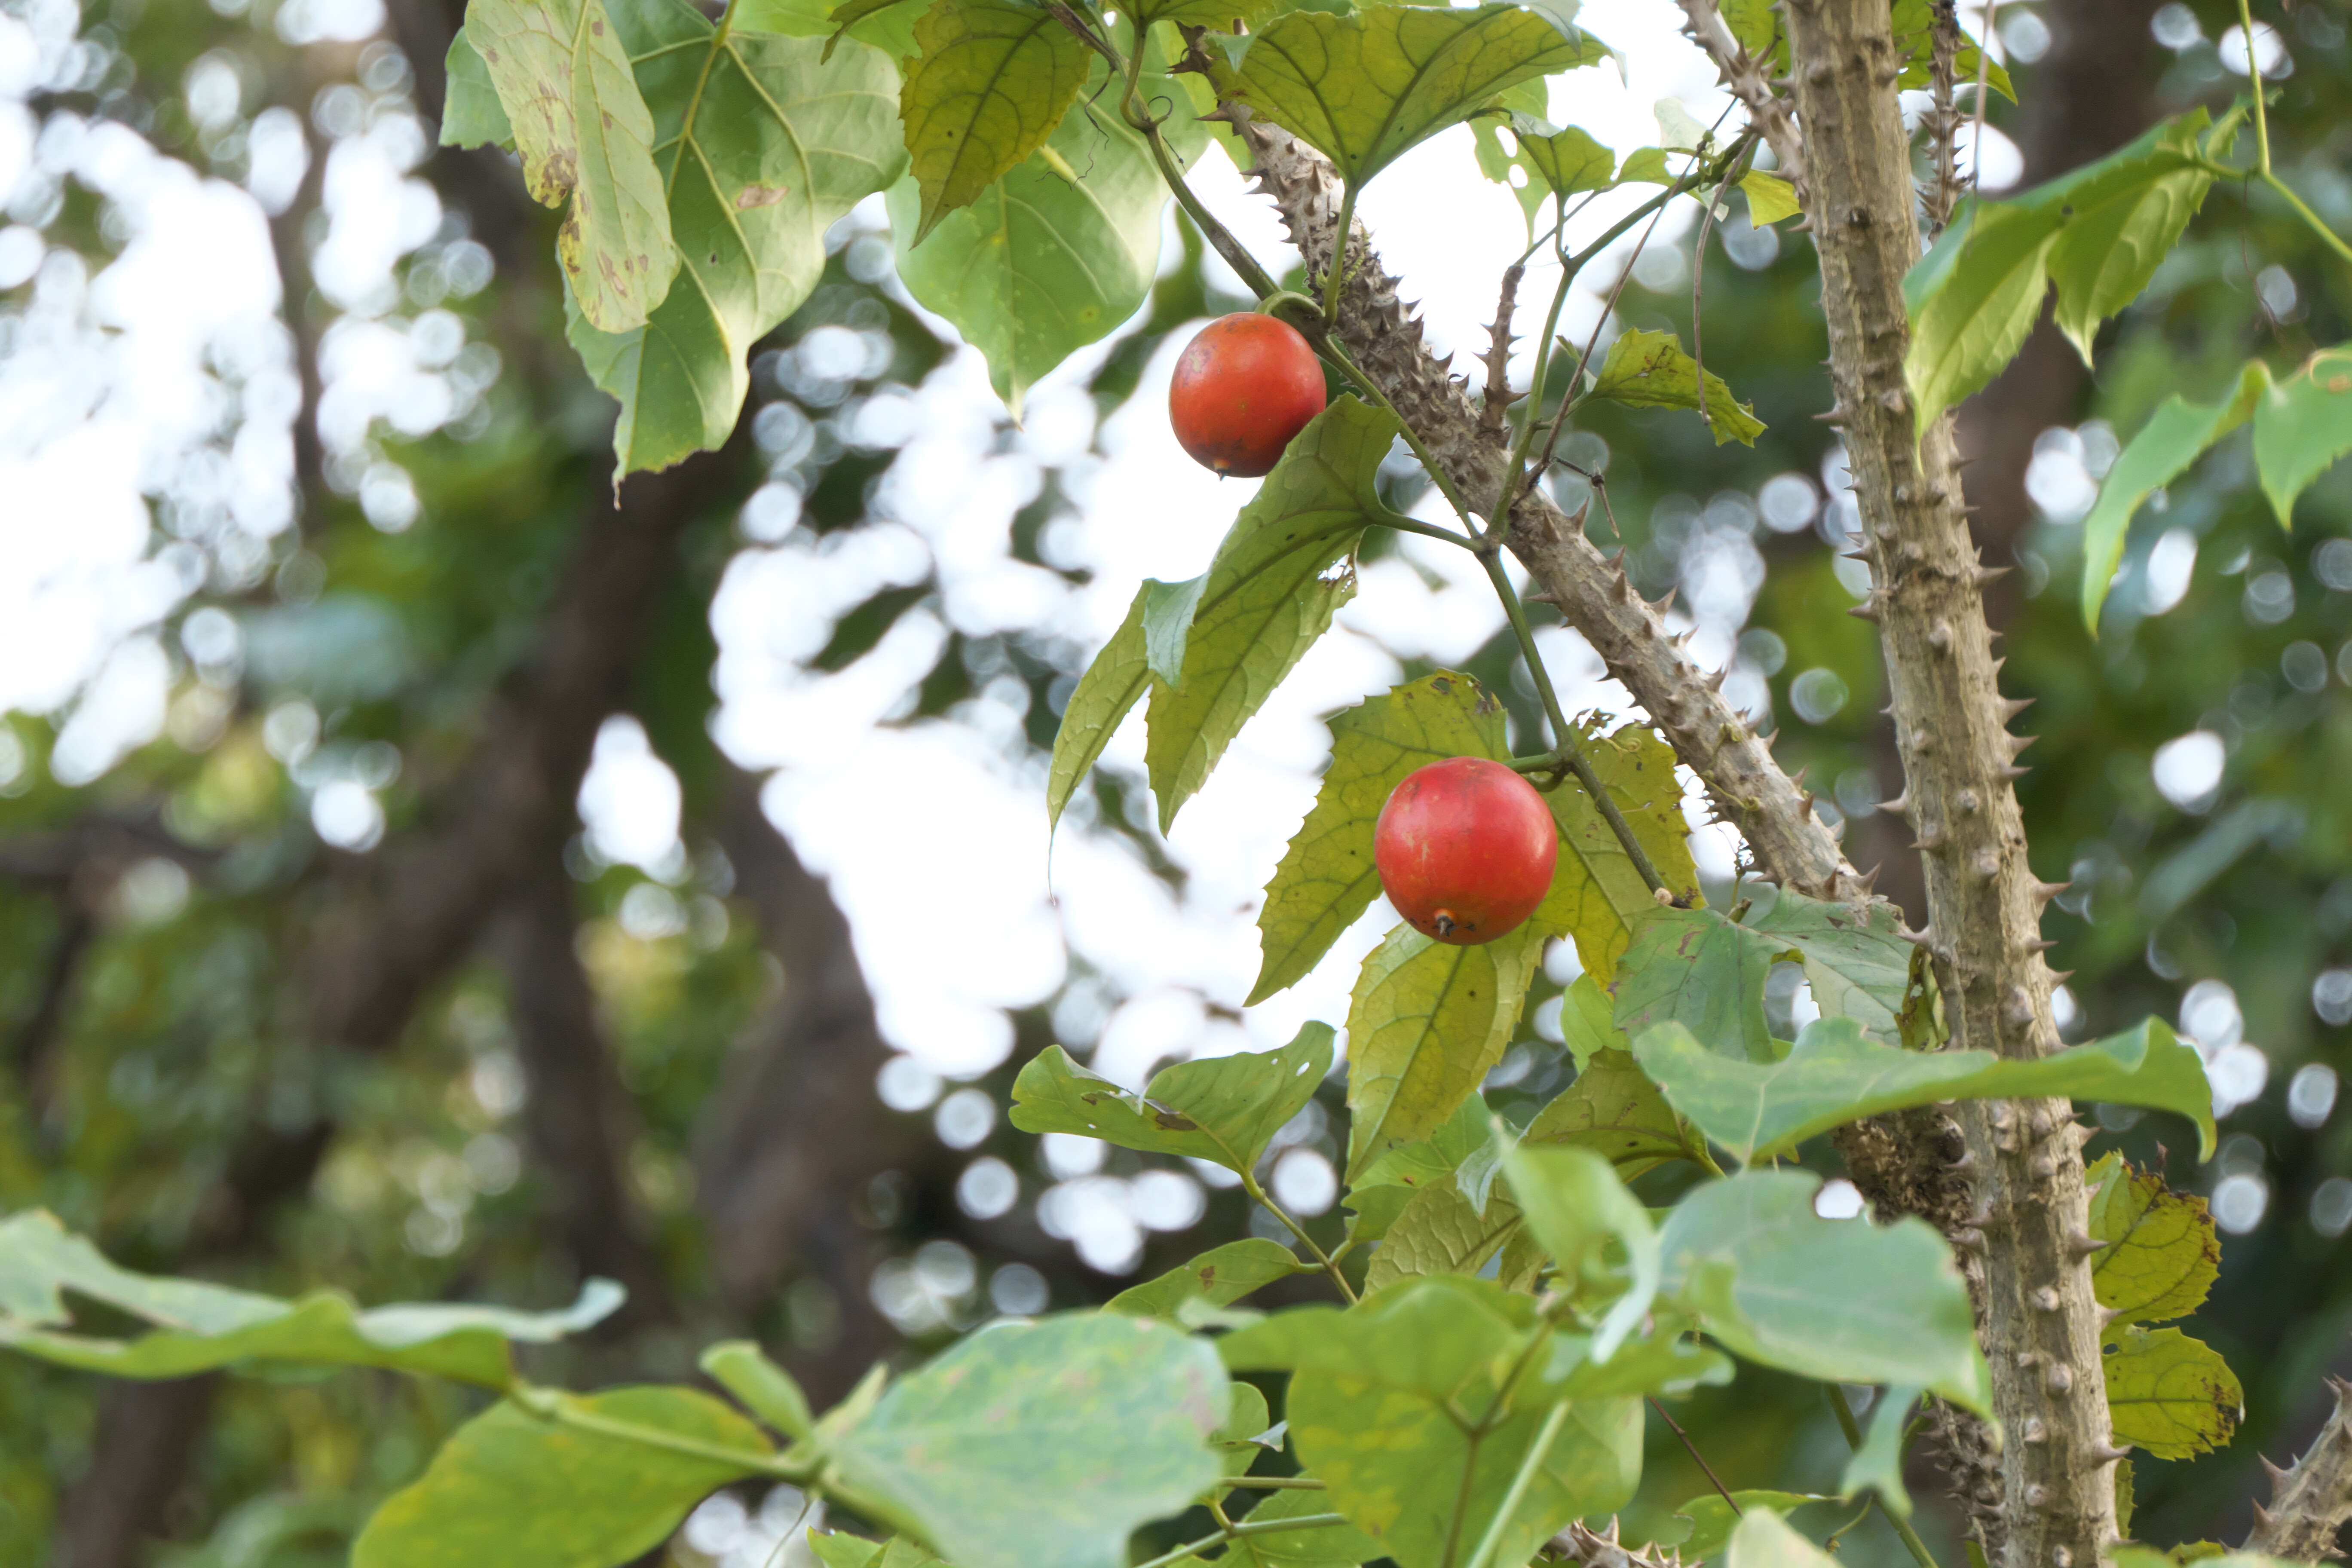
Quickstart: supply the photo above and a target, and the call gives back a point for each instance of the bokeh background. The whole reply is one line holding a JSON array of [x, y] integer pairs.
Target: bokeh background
[[422, 876]]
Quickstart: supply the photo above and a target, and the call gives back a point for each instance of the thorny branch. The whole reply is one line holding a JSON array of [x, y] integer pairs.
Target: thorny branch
[[2311, 1500]]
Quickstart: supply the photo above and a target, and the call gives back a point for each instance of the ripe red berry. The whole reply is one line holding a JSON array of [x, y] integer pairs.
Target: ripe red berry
[[1243, 388], [1465, 848]]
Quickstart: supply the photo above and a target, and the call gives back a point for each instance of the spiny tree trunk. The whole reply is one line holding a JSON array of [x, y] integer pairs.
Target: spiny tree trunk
[[2041, 1325]]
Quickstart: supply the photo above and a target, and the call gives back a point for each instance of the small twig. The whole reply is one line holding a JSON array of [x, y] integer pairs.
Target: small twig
[[1984, 80], [1498, 397], [1708, 1470], [2255, 75], [2311, 1499], [1944, 40]]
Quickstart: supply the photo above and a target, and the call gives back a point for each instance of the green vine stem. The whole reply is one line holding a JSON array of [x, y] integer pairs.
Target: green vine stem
[[2255, 75], [1323, 1260], [550, 1404], [1242, 1532], [1332, 285], [1852, 1430], [1537, 1452]]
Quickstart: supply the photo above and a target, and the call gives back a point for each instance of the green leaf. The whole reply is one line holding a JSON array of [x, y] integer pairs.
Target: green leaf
[[1409, 72], [1219, 14], [2171, 1394], [1597, 898], [1917, 45], [1764, 1539], [1040, 264], [2302, 427], [1284, 566], [1645, 166], [1219, 1276], [201, 1326], [1324, 1546], [1833, 1075], [1613, 1109], [2124, 1498], [2161, 1255], [763, 144], [1579, 1210], [765, 1389], [471, 114], [1877, 1464], [1225, 1109], [1712, 1520], [1559, 162], [1437, 1160], [1973, 297], [836, 1550], [2175, 437], [993, 81], [1326, 877], [1428, 1020], [1770, 198], [523, 1491], [1844, 1301], [1649, 369], [888, 25], [1168, 625], [1129, 1403], [1112, 684], [1586, 1025], [2123, 224], [1235, 1439], [1379, 1399], [1441, 1232], [585, 135]]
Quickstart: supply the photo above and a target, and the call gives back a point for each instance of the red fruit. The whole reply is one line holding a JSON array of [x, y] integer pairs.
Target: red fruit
[[1243, 389], [1465, 850]]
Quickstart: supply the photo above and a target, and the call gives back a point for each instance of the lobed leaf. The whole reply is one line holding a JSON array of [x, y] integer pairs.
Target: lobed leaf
[[765, 141], [1326, 877], [523, 1491], [2302, 425], [992, 80], [1364, 86], [2171, 1394], [1835, 1300], [1224, 1109], [1113, 683], [200, 1326], [585, 136], [1428, 1020], [1649, 369], [1286, 565], [1128, 1403], [1877, 1464], [1218, 1277], [2161, 1255], [1833, 1075]]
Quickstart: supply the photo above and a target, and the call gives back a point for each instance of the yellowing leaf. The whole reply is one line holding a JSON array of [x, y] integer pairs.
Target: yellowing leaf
[[1770, 198], [1427, 1023], [2171, 1394], [992, 82], [2161, 1256]]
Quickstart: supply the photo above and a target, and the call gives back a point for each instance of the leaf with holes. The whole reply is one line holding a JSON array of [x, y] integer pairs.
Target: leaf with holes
[[526, 1490], [2171, 1394], [1326, 877], [1224, 1109], [1129, 1404], [1286, 565], [2161, 1255], [1833, 1075], [2302, 425], [1428, 1020], [1597, 898], [762, 146], [198, 1326], [585, 136], [1219, 1276], [1649, 369], [993, 81], [1364, 86], [1113, 683]]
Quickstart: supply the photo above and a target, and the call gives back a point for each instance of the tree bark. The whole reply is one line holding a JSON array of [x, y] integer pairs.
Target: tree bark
[[2041, 1325], [146, 1433]]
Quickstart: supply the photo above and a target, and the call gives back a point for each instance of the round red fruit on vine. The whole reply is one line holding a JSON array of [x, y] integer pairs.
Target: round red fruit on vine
[[1465, 850], [1243, 388]]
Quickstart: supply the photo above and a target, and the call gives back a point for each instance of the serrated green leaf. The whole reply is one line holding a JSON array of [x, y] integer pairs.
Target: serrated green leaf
[[200, 1326], [1973, 297], [1917, 43], [1712, 1520], [2171, 1394], [1408, 73], [993, 81], [1835, 1300], [1833, 1075], [586, 136], [1557, 163], [1220, 1277], [1877, 1464], [524, 1491], [1764, 1539], [1597, 898], [2302, 425], [1578, 1211], [1325, 1546], [1770, 198], [1113, 683], [1613, 1109], [1440, 1231], [1167, 623], [1428, 1020], [1130, 1402], [471, 114], [763, 145], [1649, 369], [2161, 1255], [2175, 437], [2120, 228], [1326, 877], [1224, 1109], [763, 1387], [1287, 564]]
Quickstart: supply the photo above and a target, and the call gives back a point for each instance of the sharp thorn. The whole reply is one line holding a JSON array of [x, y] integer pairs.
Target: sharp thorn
[[1898, 805]]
